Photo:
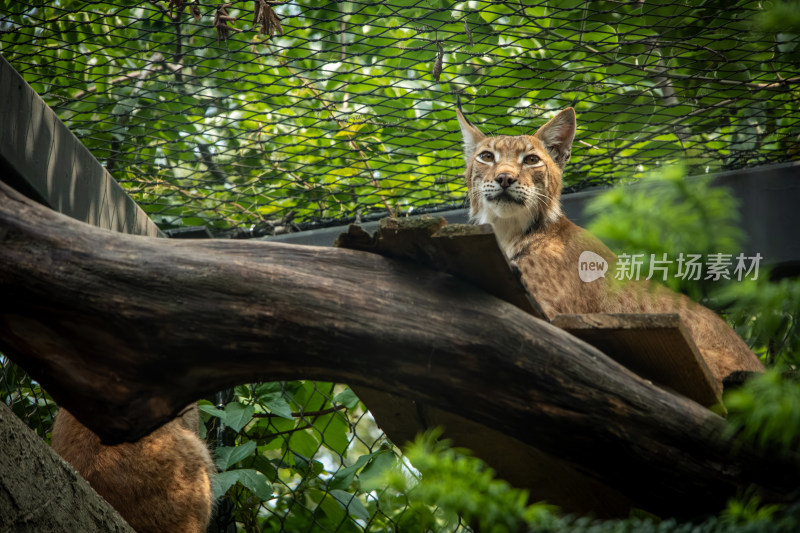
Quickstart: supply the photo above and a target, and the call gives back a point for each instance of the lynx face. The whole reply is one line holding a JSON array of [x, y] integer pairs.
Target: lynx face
[[515, 182]]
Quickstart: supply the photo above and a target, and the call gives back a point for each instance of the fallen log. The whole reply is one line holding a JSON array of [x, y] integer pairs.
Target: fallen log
[[124, 331]]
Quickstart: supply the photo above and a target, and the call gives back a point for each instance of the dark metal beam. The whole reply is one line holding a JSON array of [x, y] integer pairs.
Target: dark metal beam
[[768, 197], [42, 158]]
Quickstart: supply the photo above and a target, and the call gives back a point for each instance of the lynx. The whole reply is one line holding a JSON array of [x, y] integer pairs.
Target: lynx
[[160, 483], [514, 184]]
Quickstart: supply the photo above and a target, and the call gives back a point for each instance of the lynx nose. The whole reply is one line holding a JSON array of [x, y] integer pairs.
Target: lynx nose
[[505, 179]]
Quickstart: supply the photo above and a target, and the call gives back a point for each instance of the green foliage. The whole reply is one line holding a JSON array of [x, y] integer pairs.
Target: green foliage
[[234, 415], [461, 488], [300, 456], [667, 213], [671, 214], [783, 16], [749, 510], [448, 484], [766, 313], [341, 114], [26, 398], [766, 412], [783, 522]]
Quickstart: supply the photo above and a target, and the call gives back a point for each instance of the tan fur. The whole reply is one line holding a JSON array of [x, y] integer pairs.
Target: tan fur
[[545, 245], [161, 483]]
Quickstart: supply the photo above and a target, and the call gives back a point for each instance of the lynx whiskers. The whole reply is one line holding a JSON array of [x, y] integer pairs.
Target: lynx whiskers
[[515, 181], [514, 184]]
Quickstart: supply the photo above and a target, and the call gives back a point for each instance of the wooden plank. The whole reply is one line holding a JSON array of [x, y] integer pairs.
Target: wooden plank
[[471, 252], [658, 347], [467, 251]]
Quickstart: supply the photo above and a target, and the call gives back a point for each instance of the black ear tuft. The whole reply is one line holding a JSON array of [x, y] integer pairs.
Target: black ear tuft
[[471, 135], [557, 136]]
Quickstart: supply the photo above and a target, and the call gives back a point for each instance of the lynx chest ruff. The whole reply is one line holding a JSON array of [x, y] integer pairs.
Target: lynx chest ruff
[[514, 184]]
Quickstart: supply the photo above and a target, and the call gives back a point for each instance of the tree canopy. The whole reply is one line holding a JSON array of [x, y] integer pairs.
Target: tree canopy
[[307, 112]]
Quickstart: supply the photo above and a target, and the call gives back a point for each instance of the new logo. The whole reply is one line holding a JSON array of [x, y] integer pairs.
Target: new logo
[[591, 266]]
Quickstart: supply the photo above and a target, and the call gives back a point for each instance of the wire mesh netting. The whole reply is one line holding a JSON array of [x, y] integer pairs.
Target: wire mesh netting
[[299, 456], [292, 456], [269, 116], [26, 398], [259, 117]]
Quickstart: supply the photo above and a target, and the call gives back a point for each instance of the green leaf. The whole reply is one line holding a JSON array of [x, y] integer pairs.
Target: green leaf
[[334, 512], [253, 480], [266, 467], [221, 482], [344, 476], [371, 477], [347, 398], [278, 405], [237, 415], [268, 389], [308, 396], [350, 503], [335, 432], [228, 456], [303, 443], [211, 410], [256, 483]]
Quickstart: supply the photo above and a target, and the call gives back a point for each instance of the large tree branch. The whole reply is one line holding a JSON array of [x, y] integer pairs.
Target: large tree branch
[[39, 491], [124, 331]]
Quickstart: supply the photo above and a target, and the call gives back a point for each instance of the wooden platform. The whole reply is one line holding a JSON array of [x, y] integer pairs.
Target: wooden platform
[[464, 250], [654, 346], [658, 347]]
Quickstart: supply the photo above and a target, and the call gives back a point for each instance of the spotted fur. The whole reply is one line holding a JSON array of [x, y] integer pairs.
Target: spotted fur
[[534, 164], [523, 204]]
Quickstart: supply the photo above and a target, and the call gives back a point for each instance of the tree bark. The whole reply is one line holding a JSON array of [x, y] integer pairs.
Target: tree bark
[[124, 331], [39, 491]]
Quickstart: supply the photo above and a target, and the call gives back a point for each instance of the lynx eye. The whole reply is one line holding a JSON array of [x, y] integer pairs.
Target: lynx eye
[[486, 157], [531, 159]]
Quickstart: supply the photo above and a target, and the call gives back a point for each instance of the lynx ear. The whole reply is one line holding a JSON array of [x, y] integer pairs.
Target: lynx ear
[[472, 135], [557, 136]]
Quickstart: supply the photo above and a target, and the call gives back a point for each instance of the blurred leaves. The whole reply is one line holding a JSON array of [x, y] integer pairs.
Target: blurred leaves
[[667, 213], [783, 16], [462, 487], [766, 412], [449, 483], [767, 315]]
